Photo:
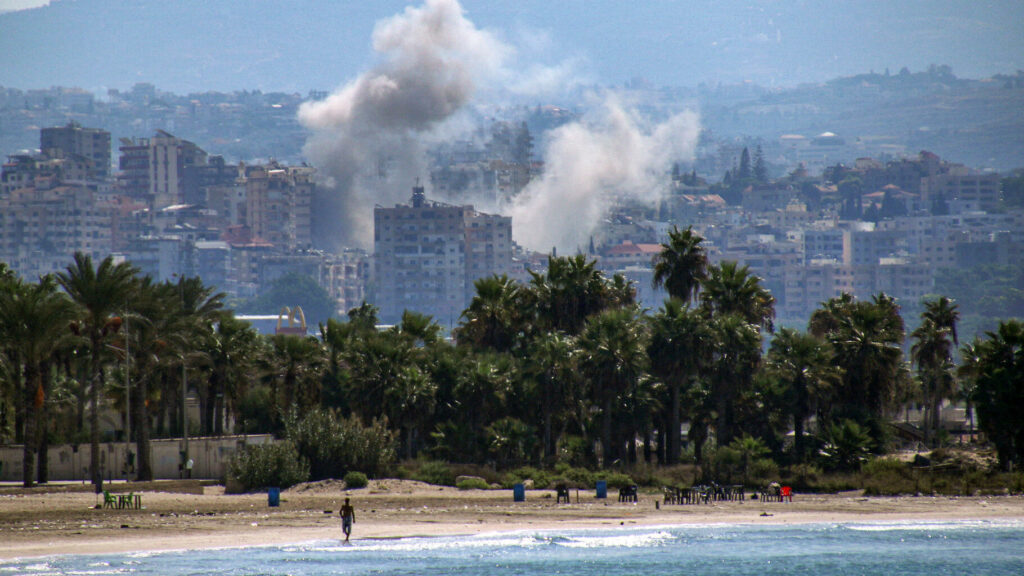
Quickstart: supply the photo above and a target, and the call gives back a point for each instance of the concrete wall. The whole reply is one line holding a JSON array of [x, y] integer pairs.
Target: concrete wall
[[210, 458]]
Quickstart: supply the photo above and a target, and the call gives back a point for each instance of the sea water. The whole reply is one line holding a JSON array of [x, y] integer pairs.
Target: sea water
[[892, 549]]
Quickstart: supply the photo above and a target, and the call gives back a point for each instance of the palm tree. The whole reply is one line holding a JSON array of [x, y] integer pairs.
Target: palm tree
[[34, 318], [152, 335], [999, 391], [293, 370], [943, 313], [678, 349], [968, 371], [803, 365], [571, 290], [732, 289], [933, 354], [549, 366], [491, 320], [420, 329], [866, 338], [409, 403], [201, 310], [681, 265], [735, 359], [99, 291], [613, 358], [232, 351], [375, 361]]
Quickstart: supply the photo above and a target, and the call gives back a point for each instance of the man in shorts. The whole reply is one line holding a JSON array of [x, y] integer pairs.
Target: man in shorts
[[348, 518]]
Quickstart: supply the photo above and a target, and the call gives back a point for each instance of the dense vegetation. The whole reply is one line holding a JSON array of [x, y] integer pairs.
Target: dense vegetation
[[564, 374]]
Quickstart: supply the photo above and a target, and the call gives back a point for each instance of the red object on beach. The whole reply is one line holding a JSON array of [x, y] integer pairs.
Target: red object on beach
[[787, 494]]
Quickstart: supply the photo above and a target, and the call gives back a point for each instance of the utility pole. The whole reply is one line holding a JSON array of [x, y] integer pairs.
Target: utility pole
[[184, 409], [128, 401]]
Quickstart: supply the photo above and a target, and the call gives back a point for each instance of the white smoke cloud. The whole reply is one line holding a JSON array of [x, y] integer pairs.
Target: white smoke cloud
[[368, 136], [610, 154]]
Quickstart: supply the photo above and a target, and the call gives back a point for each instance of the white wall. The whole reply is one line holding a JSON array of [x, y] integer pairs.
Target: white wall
[[210, 458]]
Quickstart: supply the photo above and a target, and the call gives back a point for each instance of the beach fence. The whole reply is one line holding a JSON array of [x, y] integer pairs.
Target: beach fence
[[209, 455]]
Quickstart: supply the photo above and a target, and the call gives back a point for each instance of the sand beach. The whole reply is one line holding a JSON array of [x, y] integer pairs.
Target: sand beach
[[179, 515]]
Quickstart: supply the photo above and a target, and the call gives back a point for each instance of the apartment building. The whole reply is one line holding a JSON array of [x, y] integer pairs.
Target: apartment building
[[42, 227], [74, 140], [154, 168], [428, 254], [278, 202]]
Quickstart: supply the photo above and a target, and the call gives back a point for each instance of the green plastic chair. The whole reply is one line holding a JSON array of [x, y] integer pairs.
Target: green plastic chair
[[108, 500]]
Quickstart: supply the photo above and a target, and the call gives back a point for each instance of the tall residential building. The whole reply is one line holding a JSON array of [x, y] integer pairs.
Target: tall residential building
[[154, 168], [428, 254], [278, 204], [73, 139]]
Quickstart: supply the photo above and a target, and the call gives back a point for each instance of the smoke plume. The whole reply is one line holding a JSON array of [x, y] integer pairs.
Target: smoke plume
[[367, 136], [610, 155]]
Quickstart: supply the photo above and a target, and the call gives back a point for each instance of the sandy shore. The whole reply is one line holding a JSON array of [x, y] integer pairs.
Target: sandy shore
[[38, 523]]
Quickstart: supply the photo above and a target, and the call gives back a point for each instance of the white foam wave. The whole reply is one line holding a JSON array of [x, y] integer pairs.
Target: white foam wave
[[937, 525], [642, 540]]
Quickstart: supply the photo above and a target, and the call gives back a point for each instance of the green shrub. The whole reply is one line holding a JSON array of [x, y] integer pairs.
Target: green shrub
[[472, 484], [334, 446], [256, 413], [847, 446], [541, 479], [488, 473], [572, 476], [762, 472], [265, 465], [879, 466], [804, 477], [615, 479], [889, 476], [435, 472], [356, 480], [726, 465]]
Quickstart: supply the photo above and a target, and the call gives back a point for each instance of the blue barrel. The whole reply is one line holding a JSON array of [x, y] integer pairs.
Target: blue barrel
[[602, 489], [518, 493], [273, 496]]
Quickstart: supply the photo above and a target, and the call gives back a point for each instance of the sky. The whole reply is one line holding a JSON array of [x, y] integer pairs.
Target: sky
[[302, 45]]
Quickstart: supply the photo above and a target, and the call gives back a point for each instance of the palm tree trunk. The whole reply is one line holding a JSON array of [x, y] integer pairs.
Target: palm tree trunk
[[94, 413], [42, 432], [143, 450], [698, 435], [218, 406], [29, 442], [20, 408], [798, 436], [672, 434], [610, 454]]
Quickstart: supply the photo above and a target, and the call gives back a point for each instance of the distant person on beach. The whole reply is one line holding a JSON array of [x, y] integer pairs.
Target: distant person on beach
[[348, 518]]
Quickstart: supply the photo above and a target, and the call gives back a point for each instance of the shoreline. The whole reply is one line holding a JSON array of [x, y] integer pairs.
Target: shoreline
[[58, 523]]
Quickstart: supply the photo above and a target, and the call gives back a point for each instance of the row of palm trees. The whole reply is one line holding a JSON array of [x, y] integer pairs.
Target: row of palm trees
[[565, 366], [66, 337]]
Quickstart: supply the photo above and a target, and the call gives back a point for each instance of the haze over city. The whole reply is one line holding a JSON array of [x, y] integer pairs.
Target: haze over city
[[319, 44]]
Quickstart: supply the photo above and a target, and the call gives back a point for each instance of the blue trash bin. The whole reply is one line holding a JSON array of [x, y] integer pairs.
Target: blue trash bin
[[518, 493], [273, 496], [602, 489]]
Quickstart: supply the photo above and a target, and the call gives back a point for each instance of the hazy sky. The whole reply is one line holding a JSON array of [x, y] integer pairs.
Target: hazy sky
[[195, 45]]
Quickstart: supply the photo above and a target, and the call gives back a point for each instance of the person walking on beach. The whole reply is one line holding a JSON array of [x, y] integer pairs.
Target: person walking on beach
[[348, 518]]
